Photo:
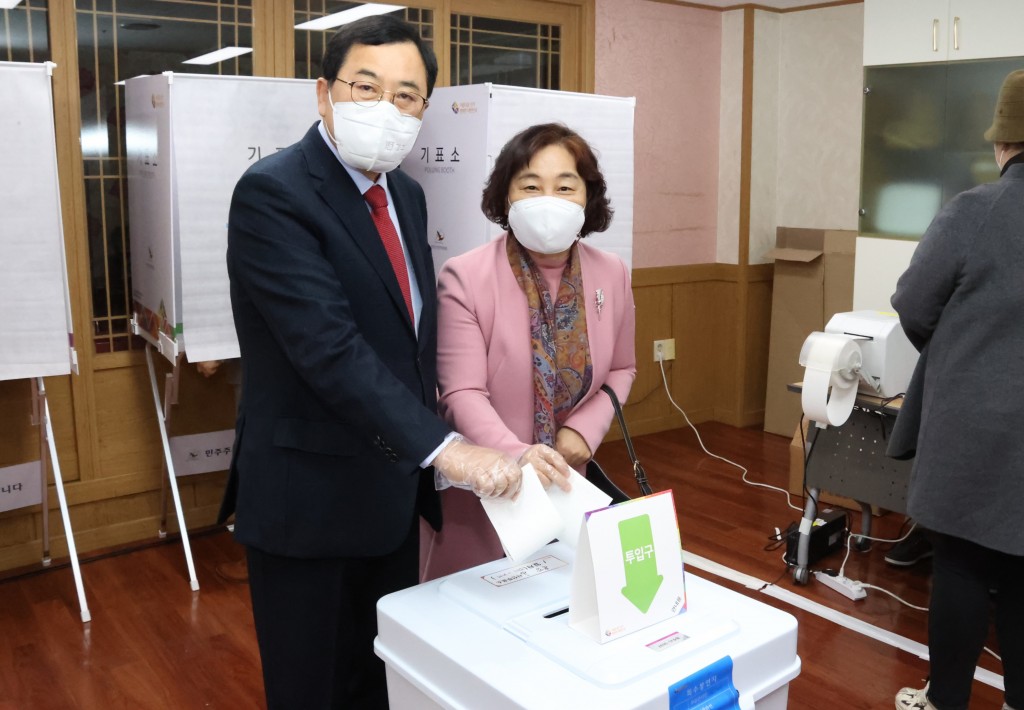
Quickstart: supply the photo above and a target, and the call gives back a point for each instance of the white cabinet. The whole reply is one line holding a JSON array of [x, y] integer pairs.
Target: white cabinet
[[904, 31], [982, 29], [915, 31]]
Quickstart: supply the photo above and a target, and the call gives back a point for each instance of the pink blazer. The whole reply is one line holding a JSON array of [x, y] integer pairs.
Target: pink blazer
[[485, 371], [485, 374]]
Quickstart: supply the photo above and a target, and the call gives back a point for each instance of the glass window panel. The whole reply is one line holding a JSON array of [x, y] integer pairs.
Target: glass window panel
[[310, 45], [24, 33], [118, 41], [923, 143], [903, 123], [117, 253], [972, 88], [96, 229], [504, 52], [156, 10]]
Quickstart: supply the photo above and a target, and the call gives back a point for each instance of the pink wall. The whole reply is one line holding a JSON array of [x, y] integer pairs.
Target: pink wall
[[669, 58]]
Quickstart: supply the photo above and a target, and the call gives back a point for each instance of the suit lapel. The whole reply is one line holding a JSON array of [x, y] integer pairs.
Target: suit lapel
[[337, 189]]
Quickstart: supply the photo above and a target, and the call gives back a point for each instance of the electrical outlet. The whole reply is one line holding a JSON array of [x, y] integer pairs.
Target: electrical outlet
[[668, 349]]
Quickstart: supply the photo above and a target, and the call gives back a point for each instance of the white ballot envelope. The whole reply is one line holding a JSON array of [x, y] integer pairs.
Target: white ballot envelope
[[537, 516], [574, 505]]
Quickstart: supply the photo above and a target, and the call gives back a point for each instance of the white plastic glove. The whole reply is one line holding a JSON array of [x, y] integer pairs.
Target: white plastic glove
[[550, 466], [486, 472]]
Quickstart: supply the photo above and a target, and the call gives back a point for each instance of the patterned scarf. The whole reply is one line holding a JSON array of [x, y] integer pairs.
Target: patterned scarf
[[562, 372]]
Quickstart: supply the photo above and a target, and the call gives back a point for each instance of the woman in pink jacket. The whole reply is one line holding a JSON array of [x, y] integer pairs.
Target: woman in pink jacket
[[530, 326]]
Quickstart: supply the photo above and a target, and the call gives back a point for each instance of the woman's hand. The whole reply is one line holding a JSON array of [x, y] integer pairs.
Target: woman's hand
[[208, 368], [549, 465], [573, 448]]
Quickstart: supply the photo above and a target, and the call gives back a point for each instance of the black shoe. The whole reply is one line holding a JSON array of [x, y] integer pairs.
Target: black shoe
[[910, 551]]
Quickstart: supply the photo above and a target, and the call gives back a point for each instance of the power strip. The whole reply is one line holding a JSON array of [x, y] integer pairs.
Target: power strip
[[844, 585]]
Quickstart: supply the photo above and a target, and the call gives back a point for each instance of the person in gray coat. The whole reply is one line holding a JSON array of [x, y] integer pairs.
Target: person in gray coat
[[961, 303]]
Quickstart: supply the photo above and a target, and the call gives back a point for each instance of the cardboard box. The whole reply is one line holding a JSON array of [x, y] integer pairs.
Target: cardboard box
[[813, 281], [797, 456]]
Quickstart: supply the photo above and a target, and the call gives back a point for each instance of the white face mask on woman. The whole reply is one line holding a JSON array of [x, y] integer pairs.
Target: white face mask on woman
[[546, 225], [375, 138]]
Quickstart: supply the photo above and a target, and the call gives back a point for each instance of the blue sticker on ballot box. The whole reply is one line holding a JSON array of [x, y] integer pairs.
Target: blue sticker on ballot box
[[707, 689]]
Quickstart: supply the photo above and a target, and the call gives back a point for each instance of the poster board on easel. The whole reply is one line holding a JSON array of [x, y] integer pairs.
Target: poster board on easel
[[35, 310], [36, 334], [189, 139]]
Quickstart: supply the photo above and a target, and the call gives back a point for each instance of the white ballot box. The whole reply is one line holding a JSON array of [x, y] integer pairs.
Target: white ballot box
[[465, 129], [497, 636]]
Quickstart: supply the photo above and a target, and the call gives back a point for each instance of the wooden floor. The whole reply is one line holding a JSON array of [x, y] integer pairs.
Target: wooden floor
[[153, 643]]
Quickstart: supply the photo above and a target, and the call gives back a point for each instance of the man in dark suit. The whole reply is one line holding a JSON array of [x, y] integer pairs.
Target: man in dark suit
[[332, 289]]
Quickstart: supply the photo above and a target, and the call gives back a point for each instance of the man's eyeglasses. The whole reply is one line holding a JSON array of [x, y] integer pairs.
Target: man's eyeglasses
[[368, 94]]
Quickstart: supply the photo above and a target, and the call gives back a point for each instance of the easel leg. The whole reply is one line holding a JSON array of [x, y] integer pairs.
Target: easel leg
[[169, 463], [37, 420], [170, 399], [59, 484]]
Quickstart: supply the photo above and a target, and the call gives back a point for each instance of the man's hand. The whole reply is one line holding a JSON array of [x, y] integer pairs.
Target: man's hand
[[488, 473]]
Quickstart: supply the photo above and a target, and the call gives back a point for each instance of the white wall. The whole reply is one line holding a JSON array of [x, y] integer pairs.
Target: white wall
[[820, 117], [879, 265], [806, 132]]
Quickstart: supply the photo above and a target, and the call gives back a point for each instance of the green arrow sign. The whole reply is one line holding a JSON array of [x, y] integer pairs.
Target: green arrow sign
[[642, 578]]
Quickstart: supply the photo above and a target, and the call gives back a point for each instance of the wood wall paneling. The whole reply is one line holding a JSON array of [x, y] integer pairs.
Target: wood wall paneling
[[715, 375], [757, 324], [19, 439]]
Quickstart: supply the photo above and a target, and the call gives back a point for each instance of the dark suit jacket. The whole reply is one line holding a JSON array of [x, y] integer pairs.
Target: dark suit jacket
[[338, 394]]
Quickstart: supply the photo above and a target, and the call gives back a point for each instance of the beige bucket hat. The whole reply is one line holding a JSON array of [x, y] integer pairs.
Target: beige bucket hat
[[1008, 123]]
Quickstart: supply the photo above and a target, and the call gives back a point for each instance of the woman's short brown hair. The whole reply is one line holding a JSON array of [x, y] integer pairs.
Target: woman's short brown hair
[[518, 153]]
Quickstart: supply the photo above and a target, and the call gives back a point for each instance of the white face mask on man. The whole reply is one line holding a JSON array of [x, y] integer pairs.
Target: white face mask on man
[[374, 138], [546, 224]]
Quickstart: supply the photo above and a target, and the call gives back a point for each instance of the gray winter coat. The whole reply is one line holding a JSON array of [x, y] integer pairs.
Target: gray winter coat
[[961, 303]]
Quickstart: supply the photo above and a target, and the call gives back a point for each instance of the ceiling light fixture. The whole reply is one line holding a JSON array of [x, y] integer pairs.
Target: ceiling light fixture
[[219, 56], [346, 16], [140, 26]]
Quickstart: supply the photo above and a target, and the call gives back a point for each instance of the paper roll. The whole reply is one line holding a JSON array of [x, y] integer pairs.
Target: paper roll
[[831, 361]]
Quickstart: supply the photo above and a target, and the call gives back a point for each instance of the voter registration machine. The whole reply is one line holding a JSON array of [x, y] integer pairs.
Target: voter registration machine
[[497, 636], [860, 352], [855, 373]]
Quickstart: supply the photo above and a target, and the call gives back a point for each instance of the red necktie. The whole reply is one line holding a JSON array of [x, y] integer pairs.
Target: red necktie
[[378, 201]]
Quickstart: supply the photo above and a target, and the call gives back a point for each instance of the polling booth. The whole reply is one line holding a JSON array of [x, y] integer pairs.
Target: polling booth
[[600, 619], [35, 310], [189, 139], [465, 128]]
